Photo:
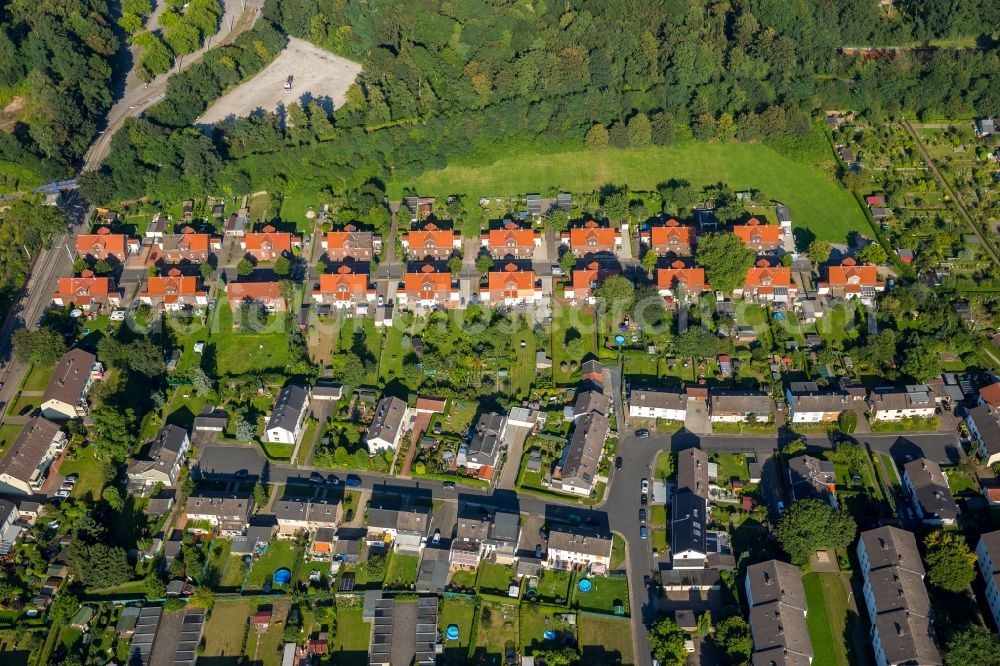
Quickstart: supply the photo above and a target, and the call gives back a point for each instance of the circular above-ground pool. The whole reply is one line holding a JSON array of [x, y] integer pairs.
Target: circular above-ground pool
[[584, 585], [620, 339], [282, 576], [549, 635], [452, 632]]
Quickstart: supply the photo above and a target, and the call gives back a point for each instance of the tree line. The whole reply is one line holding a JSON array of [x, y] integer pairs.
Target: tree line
[[469, 81]]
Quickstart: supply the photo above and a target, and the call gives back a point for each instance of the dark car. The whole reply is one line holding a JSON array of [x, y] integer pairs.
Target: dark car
[[642, 515], [618, 462], [642, 532], [317, 478], [333, 480], [642, 433], [643, 499], [353, 481], [543, 534]]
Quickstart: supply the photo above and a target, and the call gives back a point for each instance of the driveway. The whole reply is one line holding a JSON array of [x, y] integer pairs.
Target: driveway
[[696, 419], [514, 440], [222, 460]]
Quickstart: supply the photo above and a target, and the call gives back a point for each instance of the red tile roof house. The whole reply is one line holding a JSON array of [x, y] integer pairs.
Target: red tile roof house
[[173, 292], [344, 289], [268, 244], [761, 238], [766, 283], [850, 280], [267, 294], [591, 239], [431, 243], [87, 292], [585, 281], [511, 242], [670, 239], [428, 288], [351, 244], [185, 247], [106, 246], [512, 286], [681, 283]]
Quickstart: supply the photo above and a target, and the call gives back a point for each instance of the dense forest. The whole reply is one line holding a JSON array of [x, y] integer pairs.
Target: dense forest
[[447, 81], [55, 73]]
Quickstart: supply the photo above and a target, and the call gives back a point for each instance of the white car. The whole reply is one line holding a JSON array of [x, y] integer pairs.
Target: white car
[[62, 494], [645, 486]]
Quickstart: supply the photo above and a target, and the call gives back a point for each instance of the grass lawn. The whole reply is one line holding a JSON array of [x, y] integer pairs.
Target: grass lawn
[[536, 619], [390, 364], [731, 465], [238, 353], [402, 571], [495, 578], [658, 515], [265, 648], [24, 404], [498, 625], [605, 641], [524, 371], [603, 595], [834, 628], [260, 208], [349, 644], [576, 322], [278, 554], [890, 470], [8, 433], [281, 452], [226, 627], [459, 612], [617, 552], [91, 481], [232, 573], [665, 465], [554, 585], [37, 378], [295, 205], [15, 647], [962, 483], [815, 199], [464, 578], [458, 416]]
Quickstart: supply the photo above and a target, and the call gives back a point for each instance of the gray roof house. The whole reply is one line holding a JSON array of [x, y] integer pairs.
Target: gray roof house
[[403, 524], [812, 477], [163, 462], [778, 612], [65, 396], [391, 416], [737, 407], [578, 468], [483, 450], [928, 486], [501, 541], [229, 513], [688, 522], [25, 467], [692, 472], [211, 419], [591, 401], [288, 416], [896, 598]]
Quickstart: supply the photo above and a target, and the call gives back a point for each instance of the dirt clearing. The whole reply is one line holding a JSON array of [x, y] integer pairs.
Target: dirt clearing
[[316, 74]]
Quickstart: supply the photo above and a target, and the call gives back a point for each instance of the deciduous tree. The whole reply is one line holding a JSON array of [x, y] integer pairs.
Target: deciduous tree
[[812, 524], [726, 260], [950, 564]]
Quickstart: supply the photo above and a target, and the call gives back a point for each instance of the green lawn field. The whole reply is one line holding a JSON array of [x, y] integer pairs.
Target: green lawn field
[[836, 631], [816, 201]]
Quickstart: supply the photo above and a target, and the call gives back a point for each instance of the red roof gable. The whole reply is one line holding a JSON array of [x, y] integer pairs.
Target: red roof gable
[[753, 232], [592, 234], [769, 276], [693, 279], [343, 284], [673, 233], [427, 280], [851, 274], [511, 279], [270, 239], [103, 242]]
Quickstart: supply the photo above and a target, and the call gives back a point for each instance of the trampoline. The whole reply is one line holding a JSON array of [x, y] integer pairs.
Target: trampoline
[[585, 585], [282, 576], [452, 632]]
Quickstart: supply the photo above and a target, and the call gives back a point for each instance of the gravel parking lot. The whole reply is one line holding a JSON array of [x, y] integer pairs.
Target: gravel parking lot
[[318, 74]]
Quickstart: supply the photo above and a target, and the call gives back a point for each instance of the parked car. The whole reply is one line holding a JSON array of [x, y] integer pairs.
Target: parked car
[[62, 494], [333, 480], [781, 507], [316, 477], [72, 478], [642, 433], [644, 499], [353, 481], [618, 462], [645, 485], [642, 532], [448, 485], [436, 539], [66, 486], [642, 515]]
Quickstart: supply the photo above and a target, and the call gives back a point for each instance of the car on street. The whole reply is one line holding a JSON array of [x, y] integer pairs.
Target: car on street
[[618, 462], [353, 481], [645, 485], [643, 499], [381, 300], [333, 480], [316, 478], [448, 485], [642, 433], [642, 532], [642, 515]]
